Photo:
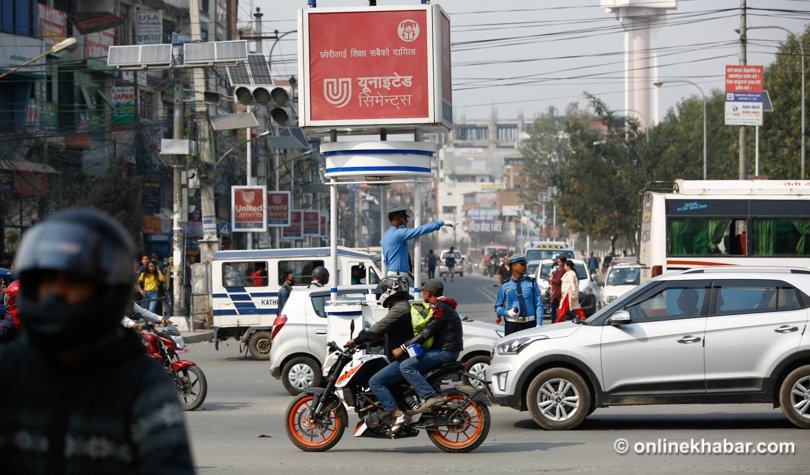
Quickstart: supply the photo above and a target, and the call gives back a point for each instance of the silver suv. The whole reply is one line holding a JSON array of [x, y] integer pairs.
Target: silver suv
[[723, 336], [299, 339]]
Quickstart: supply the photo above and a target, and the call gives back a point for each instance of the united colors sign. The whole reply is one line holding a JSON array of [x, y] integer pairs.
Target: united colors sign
[[377, 66], [278, 208], [248, 208]]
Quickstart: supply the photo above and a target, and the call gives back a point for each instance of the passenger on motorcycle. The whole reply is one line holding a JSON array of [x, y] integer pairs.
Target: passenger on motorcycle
[[444, 328], [396, 329], [10, 324], [145, 314]]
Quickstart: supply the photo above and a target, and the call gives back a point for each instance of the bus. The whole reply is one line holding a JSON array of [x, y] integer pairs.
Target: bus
[[686, 224]]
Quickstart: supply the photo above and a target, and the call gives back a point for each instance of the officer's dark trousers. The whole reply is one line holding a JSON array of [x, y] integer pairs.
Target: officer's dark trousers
[[512, 327]]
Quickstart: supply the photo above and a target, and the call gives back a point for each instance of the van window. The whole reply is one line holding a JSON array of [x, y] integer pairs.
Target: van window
[[301, 269], [244, 274], [358, 273]]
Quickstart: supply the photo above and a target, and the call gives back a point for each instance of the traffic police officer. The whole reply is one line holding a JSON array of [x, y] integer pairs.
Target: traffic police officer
[[395, 241], [519, 301]]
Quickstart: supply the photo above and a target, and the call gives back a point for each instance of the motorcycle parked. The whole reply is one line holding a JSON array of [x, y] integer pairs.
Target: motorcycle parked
[[188, 378], [317, 418]]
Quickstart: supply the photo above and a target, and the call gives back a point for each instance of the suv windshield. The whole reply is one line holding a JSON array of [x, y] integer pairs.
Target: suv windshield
[[624, 276]]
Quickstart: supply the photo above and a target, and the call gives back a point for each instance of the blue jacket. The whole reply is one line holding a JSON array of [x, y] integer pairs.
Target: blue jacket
[[508, 298], [395, 244]]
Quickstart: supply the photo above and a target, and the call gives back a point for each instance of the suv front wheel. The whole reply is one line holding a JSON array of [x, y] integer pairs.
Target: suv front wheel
[[558, 399], [794, 397]]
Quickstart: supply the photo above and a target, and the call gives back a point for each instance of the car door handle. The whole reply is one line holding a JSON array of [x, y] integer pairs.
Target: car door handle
[[320, 332], [689, 339], [786, 329]]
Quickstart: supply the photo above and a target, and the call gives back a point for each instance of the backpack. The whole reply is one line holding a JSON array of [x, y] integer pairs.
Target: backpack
[[421, 313]]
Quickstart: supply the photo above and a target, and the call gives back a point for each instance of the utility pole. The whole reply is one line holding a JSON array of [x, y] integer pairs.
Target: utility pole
[[743, 61], [177, 202], [208, 243]]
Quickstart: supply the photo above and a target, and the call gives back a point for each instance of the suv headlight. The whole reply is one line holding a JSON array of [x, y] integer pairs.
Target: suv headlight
[[516, 346]]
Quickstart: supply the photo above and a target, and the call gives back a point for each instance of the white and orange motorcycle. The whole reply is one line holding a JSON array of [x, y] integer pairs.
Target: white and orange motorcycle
[[317, 418]]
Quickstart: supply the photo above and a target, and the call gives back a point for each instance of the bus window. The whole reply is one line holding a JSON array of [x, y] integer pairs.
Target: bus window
[[706, 236], [780, 237]]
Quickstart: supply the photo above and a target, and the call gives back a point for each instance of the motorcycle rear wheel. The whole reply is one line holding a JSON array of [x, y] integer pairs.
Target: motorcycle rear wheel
[[311, 436], [192, 387], [466, 436]]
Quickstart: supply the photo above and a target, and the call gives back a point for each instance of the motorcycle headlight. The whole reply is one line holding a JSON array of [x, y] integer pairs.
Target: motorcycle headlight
[[516, 346]]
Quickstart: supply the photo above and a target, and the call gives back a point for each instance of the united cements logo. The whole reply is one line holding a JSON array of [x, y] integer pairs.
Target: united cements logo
[[337, 91], [408, 30]]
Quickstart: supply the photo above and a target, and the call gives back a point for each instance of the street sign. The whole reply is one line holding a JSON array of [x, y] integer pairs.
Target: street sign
[[311, 223], [224, 228], [744, 97], [278, 208]]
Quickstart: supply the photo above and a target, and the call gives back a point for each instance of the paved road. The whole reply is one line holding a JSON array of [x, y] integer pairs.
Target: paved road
[[240, 430]]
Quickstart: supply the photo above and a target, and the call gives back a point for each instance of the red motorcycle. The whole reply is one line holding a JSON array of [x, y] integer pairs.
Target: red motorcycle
[[187, 376]]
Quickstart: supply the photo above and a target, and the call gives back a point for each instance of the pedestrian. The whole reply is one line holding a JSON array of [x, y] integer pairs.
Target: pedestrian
[[593, 264], [450, 262], [519, 300], [504, 271], [149, 283], [85, 397], [288, 280], [569, 302], [395, 241], [144, 263], [187, 284], [555, 282], [432, 260], [168, 287]]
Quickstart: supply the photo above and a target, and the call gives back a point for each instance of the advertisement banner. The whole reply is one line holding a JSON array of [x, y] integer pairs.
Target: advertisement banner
[[248, 210], [97, 45], [295, 229], [744, 78], [485, 226], [123, 99], [312, 223], [379, 65], [52, 24], [278, 208], [148, 27], [151, 224], [324, 226], [744, 85]]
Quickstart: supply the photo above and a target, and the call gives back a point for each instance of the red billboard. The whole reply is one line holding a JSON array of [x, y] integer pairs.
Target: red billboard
[[324, 226], [312, 223], [744, 78], [278, 208], [375, 66], [248, 208], [295, 229]]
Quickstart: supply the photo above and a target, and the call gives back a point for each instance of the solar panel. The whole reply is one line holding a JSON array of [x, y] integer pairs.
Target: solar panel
[[216, 51], [259, 69], [140, 55], [238, 74]]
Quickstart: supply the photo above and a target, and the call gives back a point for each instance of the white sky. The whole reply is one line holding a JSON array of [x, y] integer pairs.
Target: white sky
[[567, 47]]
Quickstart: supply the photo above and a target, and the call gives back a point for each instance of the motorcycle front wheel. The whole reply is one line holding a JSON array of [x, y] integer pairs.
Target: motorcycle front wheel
[[467, 428], [192, 387], [310, 435]]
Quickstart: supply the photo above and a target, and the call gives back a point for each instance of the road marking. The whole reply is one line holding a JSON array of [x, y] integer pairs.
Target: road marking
[[487, 293]]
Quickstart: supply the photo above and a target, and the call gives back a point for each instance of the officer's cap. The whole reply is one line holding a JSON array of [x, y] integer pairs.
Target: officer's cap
[[398, 211], [517, 259]]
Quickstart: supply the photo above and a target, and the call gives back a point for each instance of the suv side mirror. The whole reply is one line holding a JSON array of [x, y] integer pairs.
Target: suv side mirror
[[622, 317]]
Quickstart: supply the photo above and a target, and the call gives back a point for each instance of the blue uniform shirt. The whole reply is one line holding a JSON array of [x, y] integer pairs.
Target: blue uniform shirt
[[395, 244], [508, 298]]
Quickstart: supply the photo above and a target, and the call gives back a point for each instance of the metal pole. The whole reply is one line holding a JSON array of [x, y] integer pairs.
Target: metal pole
[[705, 165], [743, 61], [333, 237], [417, 247], [249, 170], [383, 220], [756, 150], [177, 203]]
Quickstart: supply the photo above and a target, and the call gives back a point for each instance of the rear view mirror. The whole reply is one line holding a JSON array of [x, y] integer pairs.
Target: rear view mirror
[[622, 317]]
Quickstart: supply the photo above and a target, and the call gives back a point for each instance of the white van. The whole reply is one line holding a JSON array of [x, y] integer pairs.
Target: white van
[[245, 285]]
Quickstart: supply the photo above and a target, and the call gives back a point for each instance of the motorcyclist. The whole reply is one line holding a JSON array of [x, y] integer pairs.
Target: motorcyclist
[[320, 277], [445, 329], [10, 324], [145, 314], [84, 392], [396, 329]]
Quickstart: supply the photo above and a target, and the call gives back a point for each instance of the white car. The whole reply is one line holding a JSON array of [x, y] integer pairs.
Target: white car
[[587, 294], [299, 341], [620, 279]]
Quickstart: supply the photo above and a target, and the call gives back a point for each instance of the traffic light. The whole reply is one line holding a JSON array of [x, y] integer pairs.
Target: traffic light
[[278, 97]]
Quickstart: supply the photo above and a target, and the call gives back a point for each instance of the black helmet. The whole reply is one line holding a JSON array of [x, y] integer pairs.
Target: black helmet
[[321, 274], [392, 289], [85, 243]]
